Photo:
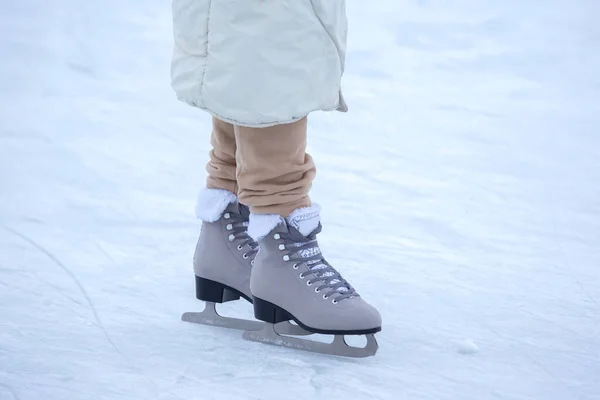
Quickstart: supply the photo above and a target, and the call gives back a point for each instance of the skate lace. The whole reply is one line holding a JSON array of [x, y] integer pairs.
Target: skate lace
[[305, 250], [239, 230]]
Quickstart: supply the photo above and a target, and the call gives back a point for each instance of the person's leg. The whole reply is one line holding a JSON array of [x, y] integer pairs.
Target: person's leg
[[274, 172], [221, 184], [290, 278], [224, 253], [221, 167]]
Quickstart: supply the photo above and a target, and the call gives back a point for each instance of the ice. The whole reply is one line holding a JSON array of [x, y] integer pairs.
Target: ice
[[460, 195]]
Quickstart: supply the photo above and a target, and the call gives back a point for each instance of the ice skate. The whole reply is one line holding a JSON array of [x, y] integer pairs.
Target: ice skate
[[292, 281], [223, 260]]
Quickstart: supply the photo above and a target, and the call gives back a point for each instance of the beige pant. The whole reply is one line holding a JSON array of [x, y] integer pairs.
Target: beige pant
[[268, 168]]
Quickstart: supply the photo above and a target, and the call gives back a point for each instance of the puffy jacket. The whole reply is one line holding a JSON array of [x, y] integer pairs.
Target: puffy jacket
[[259, 62]]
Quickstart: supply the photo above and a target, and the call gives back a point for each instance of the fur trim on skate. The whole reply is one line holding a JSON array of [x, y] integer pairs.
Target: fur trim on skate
[[212, 202], [305, 219], [261, 224]]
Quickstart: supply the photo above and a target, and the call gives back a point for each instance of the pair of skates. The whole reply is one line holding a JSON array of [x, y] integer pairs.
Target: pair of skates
[[284, 276]]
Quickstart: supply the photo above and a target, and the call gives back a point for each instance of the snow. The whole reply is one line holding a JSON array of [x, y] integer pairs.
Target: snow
[[460, 196], [468, 346]]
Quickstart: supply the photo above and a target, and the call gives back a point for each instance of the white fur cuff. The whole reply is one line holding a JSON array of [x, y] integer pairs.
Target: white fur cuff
[[261, 224], [212, 202]]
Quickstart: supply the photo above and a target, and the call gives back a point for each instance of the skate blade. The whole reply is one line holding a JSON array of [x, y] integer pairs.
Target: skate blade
[[210, 316], [338, 347]]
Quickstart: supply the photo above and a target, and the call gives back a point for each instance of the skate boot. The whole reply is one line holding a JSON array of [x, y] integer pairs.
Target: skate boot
[[292, 281], [223, 260]]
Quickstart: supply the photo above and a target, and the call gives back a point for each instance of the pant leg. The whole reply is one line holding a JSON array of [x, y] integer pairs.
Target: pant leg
[[274, 172], [221, 167]]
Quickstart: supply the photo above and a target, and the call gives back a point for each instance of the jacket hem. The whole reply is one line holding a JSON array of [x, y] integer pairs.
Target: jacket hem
[[264, 124]]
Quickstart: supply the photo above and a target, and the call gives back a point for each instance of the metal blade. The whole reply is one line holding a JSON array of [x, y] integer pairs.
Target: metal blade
[[210, 317], [338, 347]]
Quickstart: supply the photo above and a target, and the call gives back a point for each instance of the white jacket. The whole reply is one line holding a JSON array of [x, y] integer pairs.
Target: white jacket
[[259, 62]]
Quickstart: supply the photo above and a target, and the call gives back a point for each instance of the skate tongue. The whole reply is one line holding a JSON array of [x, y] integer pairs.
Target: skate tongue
[[305, 219]]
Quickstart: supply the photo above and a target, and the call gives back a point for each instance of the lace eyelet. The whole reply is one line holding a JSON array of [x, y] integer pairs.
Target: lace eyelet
[[286, 258], [317, 290], [334, 301], [295, 266], [229, 227], [282, 247], [245, 256], [325, 296], [301, 276], [240, 247], [252, 262], [226, 216], [231, 237], [277, 236], [308, 283]]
